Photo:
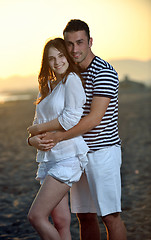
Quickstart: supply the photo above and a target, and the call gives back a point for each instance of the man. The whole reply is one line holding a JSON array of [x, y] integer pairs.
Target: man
[[99, 190]]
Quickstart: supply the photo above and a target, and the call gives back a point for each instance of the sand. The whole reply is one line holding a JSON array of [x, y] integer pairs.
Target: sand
[[18, 167]]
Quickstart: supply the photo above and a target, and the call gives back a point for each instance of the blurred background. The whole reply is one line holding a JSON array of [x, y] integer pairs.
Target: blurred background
[[120, 29], [121, 34]]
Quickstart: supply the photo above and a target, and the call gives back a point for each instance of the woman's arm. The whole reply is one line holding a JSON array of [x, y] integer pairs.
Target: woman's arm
[[73, 102], [40, 143]]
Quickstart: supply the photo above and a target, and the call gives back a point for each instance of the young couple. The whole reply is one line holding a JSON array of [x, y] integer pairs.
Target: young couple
[[90, 165]]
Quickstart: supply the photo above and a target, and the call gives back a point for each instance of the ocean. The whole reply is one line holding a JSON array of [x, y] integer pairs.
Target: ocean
[[9, 97]]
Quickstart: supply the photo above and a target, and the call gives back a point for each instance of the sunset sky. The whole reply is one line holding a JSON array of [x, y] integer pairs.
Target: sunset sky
[[120, 29]]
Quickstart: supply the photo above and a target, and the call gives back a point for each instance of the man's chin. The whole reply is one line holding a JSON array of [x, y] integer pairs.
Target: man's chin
[[77, 60]]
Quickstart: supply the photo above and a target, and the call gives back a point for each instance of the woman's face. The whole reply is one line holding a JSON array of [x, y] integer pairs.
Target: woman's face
[[57, 61]]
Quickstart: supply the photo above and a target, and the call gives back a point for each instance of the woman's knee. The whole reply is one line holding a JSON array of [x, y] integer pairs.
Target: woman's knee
[[61, 220], [33, 217], [61, 215]]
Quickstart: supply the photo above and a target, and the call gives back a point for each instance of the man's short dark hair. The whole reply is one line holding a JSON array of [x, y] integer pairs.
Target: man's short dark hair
[[75, 25]]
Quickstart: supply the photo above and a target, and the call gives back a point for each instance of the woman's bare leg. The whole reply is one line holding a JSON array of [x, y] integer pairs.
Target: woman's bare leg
[[48, 197], [61, 217]]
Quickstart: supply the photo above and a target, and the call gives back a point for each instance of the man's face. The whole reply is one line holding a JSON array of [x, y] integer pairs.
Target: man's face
[[77, 45]]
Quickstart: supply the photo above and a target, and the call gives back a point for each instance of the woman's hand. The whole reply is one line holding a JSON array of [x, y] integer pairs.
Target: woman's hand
[[40, 143]]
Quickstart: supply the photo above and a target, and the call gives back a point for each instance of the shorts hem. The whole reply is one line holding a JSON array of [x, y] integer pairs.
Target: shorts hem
[[97, 212], [83, 211], [60, 180], [41, 180], [110, 212]]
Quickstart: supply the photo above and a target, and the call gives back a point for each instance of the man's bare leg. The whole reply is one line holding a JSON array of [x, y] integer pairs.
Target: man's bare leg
[[89, 226], [115, 227]]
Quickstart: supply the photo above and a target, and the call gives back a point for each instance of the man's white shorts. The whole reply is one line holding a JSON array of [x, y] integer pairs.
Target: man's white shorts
[[99, 189]]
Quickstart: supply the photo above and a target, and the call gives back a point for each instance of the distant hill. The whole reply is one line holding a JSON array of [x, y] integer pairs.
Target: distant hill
[[128, 85], [18, 83], [139, 71]]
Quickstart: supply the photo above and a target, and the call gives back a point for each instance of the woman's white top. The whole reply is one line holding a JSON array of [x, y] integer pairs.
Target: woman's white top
[[65, 102]]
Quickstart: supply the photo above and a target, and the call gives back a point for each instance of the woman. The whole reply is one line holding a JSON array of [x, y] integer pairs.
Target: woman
[[59, 107]]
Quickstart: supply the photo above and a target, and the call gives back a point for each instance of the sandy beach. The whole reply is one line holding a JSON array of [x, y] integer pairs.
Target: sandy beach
[[18, 167]]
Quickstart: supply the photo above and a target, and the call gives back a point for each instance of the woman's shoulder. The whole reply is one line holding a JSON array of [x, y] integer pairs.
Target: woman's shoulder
[[74, 83], [73, 77]]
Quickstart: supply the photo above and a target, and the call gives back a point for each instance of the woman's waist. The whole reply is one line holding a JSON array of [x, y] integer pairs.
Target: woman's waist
[[64, 149]]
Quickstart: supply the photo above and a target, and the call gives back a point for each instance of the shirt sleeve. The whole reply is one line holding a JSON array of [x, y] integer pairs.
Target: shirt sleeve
[[106, 83], [74, 101]]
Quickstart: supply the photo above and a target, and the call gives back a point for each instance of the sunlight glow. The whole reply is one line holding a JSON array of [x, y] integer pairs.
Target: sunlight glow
[[120, 30]]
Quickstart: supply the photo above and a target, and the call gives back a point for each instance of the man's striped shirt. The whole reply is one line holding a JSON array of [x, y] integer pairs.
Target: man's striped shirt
[[102, 80]]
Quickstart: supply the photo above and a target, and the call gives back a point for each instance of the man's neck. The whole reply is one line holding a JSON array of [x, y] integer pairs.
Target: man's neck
[[86, 62]]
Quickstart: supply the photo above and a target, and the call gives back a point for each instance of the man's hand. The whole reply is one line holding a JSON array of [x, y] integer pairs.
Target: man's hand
[[53, 137], [34, 130], [40, 143]]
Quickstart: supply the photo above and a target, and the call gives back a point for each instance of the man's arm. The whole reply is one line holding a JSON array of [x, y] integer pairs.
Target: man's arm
[[98, 108], [69, 117], [72, 111], [52, 125]]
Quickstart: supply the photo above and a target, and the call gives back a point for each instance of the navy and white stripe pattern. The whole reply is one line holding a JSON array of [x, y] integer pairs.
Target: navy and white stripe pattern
[[102, 80]]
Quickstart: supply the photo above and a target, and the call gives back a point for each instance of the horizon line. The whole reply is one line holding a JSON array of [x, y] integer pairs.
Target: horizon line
[[109, 60]]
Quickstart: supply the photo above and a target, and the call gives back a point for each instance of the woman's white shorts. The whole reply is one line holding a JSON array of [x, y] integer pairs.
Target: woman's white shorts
[[67, 170], [99, 189]]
